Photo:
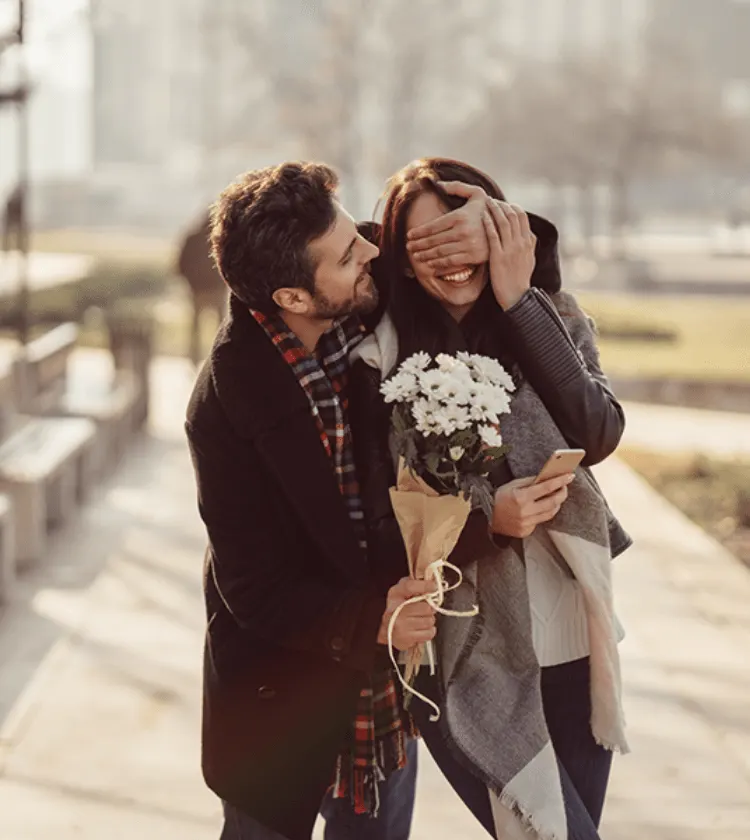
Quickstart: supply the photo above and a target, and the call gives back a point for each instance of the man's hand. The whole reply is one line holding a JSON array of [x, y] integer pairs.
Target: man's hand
[[512, 251], [521, 505], [458, 238], [415, 623]]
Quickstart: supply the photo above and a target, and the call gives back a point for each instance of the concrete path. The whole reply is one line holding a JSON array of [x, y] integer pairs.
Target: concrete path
[[100, 676], [669, 429]]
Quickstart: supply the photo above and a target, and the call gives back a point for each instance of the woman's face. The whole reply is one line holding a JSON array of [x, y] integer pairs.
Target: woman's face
[[457, 290]]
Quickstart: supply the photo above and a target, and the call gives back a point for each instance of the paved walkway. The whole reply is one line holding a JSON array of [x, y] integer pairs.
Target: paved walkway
[[99, 684], [664, 428]]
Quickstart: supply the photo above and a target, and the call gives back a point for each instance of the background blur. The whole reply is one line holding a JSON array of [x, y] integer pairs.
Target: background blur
[[627, 122]]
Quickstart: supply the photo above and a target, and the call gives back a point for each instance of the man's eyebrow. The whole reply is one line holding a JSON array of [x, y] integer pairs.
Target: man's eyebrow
[[348, 251]]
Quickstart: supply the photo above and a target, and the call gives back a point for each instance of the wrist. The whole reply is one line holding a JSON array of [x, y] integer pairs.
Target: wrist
[[508, 298]]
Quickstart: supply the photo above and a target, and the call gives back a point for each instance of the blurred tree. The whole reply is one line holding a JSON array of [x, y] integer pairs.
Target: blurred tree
[[585, 122], [363, 86]]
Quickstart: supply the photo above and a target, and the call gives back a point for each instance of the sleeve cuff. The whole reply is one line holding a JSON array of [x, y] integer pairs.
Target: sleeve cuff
[[357, 648]]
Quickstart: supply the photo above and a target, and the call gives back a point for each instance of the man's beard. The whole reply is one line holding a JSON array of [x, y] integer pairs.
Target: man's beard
[[364, 299]]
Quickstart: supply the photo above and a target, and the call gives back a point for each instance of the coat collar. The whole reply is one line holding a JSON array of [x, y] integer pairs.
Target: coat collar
[[264, 403]]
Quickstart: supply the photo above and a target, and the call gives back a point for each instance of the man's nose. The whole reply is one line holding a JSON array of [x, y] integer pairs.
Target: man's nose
[[372, 251]]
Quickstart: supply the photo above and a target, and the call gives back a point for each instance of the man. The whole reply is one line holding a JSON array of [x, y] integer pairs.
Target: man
[[14, 220], [298, 695]]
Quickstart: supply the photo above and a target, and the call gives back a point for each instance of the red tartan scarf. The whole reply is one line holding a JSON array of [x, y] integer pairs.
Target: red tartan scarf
[[376, 743]]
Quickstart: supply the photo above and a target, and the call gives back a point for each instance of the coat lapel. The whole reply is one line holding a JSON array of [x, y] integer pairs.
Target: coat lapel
[[266, 405]]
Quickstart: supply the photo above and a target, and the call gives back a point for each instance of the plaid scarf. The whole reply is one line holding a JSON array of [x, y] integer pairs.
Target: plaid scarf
[[376, 744]]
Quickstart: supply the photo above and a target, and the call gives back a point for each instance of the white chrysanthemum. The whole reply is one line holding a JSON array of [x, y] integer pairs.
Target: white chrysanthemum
[[426, 414], [400, 388], [491, 371], [456, 453], [484, 405], [499, 399], [487, 370], [490, 436], [432, 381], [453, 418], [455, 390], [415, 364], [453, 365]]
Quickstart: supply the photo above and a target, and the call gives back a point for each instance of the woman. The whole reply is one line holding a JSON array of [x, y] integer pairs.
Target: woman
[[529, 690]]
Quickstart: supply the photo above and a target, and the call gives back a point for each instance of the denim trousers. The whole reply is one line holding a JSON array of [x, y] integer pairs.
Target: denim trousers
[[584, 765], [341, 823]]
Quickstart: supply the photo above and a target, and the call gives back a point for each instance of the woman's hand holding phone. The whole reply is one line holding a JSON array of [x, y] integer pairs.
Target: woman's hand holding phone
[[524, 503]]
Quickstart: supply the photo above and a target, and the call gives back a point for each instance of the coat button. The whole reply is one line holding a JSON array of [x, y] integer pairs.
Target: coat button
[[265, 692], [337, 644]]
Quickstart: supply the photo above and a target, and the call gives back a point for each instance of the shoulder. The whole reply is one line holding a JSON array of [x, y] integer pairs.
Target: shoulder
[[204, 410], [379, 350], [570, 310]]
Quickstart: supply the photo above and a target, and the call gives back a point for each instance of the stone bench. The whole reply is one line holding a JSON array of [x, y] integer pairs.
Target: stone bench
[[46, 468], [7, 549], [112, 403], [45, 366], [131, 342]]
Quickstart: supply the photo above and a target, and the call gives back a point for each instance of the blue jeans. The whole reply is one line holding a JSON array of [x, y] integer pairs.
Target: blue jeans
[[392, 823]]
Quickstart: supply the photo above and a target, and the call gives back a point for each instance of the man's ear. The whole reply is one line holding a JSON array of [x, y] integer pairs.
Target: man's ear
[[294, 300]]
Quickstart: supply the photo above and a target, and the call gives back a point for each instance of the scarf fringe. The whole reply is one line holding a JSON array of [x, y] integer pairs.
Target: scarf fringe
[[526, 819], [362, 784]]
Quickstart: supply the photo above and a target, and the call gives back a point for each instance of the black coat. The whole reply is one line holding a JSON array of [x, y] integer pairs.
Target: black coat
[[292, 609]]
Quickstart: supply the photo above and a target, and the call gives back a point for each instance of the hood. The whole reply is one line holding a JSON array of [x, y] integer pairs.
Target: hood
[[546, 274]]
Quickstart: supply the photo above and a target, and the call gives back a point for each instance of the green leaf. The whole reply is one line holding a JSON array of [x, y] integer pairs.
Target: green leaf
[[432, 461], [464, 439], [495, 453], [480, 491], [400, 419]]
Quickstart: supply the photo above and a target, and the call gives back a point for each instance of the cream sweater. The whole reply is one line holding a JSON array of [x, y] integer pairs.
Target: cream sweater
[[559, 626]]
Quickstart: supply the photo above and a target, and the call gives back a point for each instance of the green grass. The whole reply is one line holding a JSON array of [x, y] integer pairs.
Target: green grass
[[714, 493], [108, 245], [712, 336]]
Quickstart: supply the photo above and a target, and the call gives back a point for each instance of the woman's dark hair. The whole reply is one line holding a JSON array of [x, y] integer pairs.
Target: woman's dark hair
[[421, 322], [262, 225]]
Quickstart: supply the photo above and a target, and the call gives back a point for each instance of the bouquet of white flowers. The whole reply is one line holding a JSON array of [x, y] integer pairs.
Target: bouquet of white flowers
[[446, 434]]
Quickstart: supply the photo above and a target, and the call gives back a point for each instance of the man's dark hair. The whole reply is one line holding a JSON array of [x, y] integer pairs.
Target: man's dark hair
[[261, 227]]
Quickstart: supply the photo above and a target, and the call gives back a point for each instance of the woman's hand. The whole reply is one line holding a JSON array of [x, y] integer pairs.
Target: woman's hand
[[458, 238], [512, 247], [521, 505]]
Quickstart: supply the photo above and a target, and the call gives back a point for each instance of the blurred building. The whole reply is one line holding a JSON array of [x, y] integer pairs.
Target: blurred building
[[173, 115], [57, 62]]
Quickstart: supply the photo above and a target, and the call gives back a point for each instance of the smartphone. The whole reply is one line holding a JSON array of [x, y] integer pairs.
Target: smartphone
[[560, 462]]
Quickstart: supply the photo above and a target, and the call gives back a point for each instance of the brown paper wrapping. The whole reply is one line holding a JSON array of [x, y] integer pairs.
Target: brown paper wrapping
[[430, 524]]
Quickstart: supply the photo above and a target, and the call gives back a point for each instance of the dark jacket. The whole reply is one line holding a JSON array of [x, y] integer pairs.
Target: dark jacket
[[292, 611], [532, 338]]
